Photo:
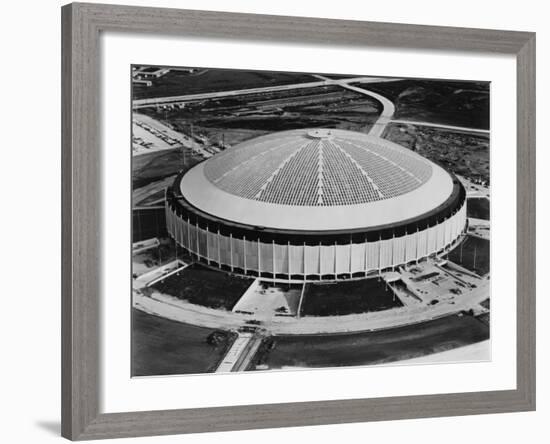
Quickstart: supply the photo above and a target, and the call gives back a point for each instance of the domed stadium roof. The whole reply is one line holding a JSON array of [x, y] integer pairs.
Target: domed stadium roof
[[316, 179], [317, 167]]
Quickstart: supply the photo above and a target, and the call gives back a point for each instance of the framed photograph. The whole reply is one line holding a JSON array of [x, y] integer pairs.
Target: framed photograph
[[278, 221]]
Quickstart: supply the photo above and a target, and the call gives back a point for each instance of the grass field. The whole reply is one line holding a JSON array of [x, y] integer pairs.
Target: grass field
[[376, 347], [458, 103], [473, 253], [155, 166], [164, 347], [209, 80], [478, 207], [242, 117], [202, 286], [347, 297]]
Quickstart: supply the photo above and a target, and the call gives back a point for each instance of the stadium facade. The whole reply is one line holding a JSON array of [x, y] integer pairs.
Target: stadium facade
[[315, 204]]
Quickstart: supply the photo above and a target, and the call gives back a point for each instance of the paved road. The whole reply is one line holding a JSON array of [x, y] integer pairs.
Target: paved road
[[146, 103], [438, 125], [178, 310], [388, 108]]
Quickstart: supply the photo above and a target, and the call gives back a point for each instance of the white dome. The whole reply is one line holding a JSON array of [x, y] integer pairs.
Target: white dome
[[318, 167], [316, 179]]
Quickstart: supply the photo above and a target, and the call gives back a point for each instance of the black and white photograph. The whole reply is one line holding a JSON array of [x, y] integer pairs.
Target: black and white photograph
[[274, 222], [291, 221]]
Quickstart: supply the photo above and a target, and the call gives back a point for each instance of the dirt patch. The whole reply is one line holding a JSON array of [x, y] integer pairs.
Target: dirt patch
[[202, 286], [462, 153]]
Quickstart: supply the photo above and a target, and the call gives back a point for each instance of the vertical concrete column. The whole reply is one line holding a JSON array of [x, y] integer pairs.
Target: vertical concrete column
[[428, 241], [273, 268], [288, 260], [197, 237], [350, 255], [180, 226], [219, 248], [379, 254], [207, 245], [448, 234], [231, 250], [259, 257], [416, 243], [366, 256], [405, 247], [244, 253], [304, 259], [320, 269], [392, 247], [335, 260], [189, 235]]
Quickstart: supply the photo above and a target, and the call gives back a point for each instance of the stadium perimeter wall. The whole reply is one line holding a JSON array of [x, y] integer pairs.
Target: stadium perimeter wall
[[291, 260]]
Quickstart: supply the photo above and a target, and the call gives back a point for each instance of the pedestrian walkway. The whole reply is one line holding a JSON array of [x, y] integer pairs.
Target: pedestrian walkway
[[241, 353]]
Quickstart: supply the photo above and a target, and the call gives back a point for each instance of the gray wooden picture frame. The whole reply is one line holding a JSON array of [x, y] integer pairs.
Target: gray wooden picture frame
[[81, 172]]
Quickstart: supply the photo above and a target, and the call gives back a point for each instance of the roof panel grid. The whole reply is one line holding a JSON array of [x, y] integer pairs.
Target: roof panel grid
[[318, 168]]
